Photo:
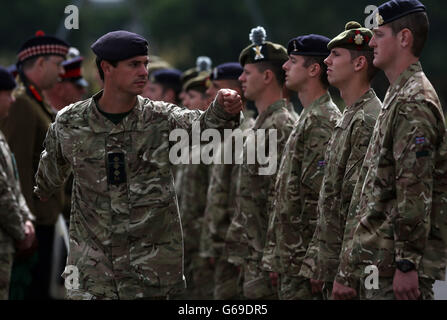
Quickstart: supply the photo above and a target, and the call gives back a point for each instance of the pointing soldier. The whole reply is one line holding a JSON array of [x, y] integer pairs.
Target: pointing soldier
[[125, 232]]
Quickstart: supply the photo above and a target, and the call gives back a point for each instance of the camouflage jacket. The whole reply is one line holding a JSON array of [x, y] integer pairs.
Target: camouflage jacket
[[195, 180], [125, 230], [220, 204], [399, 210], [13, 209], [293, 215], [245, 237], [344, 159]]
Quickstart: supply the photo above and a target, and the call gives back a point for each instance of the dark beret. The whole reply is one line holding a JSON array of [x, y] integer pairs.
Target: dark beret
[[6, 80], [261, 50], [396, 9], [354, 38], [227, 71], [120, 45], [41, 45], [309, 45], [73, 71], [167, 77]]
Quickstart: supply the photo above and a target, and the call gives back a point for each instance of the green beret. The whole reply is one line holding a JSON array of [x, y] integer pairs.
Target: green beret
[[261, 50], [199, 83], [355, 37]]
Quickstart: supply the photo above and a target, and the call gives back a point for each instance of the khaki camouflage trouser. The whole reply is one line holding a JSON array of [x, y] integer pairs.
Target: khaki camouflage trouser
[[296, 288], [257, 284], [6, 260], [227, 280]]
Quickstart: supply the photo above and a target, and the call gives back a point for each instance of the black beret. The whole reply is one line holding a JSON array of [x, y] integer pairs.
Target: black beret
[[6, 80], [120, 45], [227, 71], [396, 9], [261, 50], [310, 45], [41, 45], [73, 71], [354, 38], [167, 77]]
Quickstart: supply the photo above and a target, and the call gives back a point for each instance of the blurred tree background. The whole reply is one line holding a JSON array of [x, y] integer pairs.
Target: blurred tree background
[[180, 30]]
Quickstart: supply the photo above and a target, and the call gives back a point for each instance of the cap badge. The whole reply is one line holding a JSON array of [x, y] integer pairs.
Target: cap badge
[[258, 54]]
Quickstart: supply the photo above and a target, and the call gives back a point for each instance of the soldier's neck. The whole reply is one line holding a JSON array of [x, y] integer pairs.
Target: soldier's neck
[[353, 90], [398, 66], [116, 102], [268, 97], [310, 93]]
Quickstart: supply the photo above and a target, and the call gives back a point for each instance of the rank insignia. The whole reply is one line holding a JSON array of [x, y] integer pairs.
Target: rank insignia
[[116, 168]]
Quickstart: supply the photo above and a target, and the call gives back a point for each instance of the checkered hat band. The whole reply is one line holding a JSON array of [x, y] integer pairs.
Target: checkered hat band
[[43, 49]]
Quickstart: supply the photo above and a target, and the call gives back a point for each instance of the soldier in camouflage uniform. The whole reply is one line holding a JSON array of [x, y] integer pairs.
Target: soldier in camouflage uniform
[[293, 209], [199, 271], [262, 82], [16, 228], [350, 69], [397, 220], [220, 206], [125, 230]]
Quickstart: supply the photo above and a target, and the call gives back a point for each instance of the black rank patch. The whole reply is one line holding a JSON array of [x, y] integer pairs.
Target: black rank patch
[[116, 168]]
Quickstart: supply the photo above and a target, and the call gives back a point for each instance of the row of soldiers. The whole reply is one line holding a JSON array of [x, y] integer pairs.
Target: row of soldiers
[[353, 190]]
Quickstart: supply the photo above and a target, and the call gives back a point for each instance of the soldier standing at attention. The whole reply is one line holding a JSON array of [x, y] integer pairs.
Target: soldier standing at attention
[[125, 231], [293, 207], [399, 209], [220, 204], [350, 69], [16, 228], [262, 82]]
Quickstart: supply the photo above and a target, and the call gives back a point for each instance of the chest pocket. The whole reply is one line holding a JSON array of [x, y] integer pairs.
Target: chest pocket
[[89, 164]]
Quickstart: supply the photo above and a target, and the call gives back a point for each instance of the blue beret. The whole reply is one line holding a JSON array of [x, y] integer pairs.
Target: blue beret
[[395, 9], [120, 45], [227, 71], [40, 45], [6, 80], [309, 45], [167, 77]]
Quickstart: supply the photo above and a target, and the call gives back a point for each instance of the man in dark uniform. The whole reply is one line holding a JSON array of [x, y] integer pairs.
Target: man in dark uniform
[[39, 65]]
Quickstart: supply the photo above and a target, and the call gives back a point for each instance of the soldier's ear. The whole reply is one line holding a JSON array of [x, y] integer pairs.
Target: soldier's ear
[[314, 70], [106, 67], [360, 63], [405, 37]]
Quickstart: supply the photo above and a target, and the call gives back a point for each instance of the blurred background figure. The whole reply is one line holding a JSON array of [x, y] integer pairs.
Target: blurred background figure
[[163, 85], [72, 86], [203, 67], [39, 65]]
